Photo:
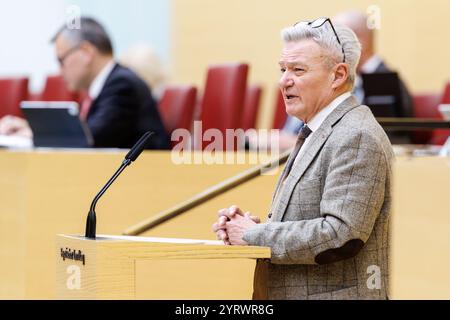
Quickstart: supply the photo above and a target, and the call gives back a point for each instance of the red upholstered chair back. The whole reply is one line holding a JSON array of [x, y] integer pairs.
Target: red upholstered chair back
[[177, 106], [223, 98], [425, 106], [251, 107], [439, 136], [56, 90], [446, 94], [280, 115], [12, 92]]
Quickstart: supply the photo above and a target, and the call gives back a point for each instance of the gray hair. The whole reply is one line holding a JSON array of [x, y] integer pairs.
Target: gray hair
[[325, 38], [91, 31]]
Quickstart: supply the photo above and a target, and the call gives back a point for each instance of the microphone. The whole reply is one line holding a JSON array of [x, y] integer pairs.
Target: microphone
[[131, 156]]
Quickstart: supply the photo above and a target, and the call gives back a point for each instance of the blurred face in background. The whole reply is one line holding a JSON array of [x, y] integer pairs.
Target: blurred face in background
[[75, 62]]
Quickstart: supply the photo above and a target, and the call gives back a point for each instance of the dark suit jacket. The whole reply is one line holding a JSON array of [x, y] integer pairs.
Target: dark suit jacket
[[407, 101], [123, 111], [406, 109]]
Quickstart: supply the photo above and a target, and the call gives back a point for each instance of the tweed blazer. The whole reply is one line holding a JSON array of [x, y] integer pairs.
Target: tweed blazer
[[328, 225]]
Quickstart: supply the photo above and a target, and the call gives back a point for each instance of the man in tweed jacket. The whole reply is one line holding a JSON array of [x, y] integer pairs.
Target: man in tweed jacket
[[328, 223]]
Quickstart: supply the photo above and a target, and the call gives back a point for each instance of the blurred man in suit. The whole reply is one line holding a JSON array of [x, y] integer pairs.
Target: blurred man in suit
[[328, 224], [119, 106], [371, 62]]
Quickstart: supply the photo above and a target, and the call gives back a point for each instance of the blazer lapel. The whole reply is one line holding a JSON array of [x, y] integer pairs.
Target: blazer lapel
[[280, 201], [280, 178]]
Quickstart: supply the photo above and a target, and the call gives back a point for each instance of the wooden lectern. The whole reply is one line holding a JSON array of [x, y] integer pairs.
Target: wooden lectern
[[126, 267]]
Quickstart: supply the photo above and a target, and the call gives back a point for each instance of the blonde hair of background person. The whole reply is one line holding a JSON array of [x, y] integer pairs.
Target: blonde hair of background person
[[143, 60]]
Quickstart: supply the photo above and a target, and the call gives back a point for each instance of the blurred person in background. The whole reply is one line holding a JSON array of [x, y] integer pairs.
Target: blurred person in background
[[143, 60], [119, 106], [371, 62]]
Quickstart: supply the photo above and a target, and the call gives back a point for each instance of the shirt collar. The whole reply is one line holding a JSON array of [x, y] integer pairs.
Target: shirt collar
[[317, 120], [371, 64], [97, 85]]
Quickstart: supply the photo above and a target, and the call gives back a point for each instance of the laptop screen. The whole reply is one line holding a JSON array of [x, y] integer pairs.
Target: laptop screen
[[382, 94], [56, 124]]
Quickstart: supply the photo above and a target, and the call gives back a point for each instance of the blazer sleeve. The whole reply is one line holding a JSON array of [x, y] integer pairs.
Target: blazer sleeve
[[353, 194]]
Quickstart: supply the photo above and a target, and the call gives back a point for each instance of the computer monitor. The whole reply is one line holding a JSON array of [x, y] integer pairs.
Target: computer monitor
[[56, 124], [382, 94]]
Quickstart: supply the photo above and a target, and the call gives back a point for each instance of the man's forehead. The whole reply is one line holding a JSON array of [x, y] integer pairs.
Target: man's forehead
[[302, 51]]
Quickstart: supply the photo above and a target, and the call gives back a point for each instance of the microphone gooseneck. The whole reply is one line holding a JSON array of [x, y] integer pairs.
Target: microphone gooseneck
[[131, 156], [138, 146]]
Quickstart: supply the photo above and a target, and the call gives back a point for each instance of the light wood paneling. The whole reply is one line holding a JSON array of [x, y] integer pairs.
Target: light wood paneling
[[421, 229], [154, 268], [45, 193]]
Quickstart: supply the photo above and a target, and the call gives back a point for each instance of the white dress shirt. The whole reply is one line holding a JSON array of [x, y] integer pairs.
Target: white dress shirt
[[97, 85]]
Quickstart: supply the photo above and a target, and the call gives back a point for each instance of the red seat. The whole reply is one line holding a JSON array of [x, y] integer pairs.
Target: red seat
[[251, 107], [280, 115], [439, 136], [223, 97], [425, 106], [56, 90], [177, 107], [12, 92], [446, 94]]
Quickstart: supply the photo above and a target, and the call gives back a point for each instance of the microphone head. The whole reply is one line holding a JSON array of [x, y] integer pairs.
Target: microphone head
[[139, 146]]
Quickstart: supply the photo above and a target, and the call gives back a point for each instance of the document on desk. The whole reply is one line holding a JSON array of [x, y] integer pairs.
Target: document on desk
[[15, 142]]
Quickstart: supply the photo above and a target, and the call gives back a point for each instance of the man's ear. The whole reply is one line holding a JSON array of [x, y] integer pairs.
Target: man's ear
[[88, 51], [340, 75]]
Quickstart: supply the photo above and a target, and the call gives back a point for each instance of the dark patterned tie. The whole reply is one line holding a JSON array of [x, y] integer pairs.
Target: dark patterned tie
[[304, 133]]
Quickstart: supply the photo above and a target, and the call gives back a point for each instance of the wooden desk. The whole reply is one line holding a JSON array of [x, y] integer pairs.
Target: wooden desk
[[44, 193], [407, 124], [123, 267], [421, 229]]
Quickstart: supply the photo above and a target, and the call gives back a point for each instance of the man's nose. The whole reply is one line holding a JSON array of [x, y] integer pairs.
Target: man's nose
[[286, 80]]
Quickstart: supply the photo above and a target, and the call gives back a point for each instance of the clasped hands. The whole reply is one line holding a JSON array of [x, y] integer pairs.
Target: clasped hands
[[232, 224]]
